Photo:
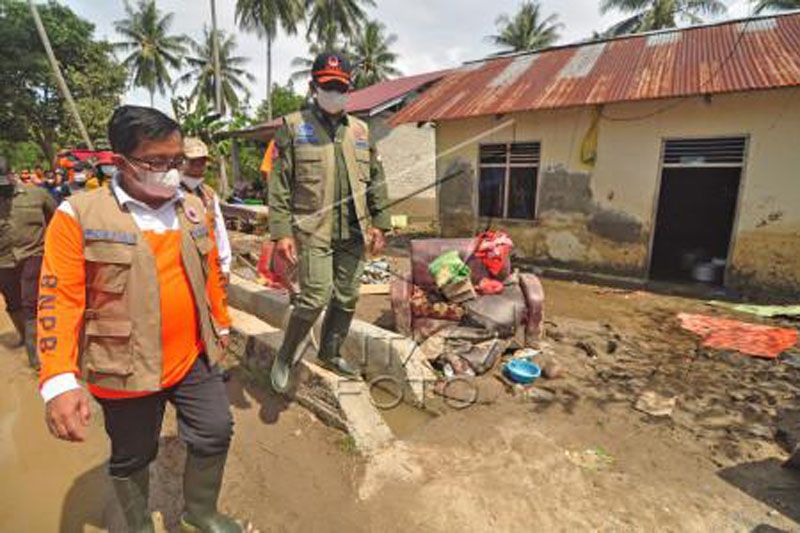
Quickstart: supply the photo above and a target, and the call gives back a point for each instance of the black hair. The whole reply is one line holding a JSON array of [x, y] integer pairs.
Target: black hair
[[130, 125]]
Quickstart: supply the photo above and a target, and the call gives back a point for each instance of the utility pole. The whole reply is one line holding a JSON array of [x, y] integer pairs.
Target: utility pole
[[62, 84], [223, 172]]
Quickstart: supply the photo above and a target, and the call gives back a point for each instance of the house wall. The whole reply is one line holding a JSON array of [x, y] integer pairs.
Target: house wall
[[409, 159], [601, 218]]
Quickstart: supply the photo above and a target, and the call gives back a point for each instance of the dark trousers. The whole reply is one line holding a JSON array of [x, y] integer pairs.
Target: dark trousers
[[20, 286], [205, 423]]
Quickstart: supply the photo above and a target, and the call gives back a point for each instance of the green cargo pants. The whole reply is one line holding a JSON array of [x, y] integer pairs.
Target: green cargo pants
[[329, 275]]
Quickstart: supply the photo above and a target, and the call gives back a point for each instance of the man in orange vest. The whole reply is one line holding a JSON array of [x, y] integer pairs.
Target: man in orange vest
[[133, 270]]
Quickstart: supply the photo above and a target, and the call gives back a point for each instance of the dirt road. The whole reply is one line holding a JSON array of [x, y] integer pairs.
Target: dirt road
[[576, 456], [287, 471]]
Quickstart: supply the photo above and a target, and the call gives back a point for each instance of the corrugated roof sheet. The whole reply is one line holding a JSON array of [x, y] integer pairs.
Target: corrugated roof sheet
[[376, 95], [734, 56]]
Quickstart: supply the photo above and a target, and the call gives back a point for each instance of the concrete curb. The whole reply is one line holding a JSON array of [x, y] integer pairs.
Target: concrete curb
[[340, 403], [387, 359]]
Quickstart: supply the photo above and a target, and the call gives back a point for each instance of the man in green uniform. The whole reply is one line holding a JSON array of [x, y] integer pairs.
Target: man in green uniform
[[328, 205], [25, 211]]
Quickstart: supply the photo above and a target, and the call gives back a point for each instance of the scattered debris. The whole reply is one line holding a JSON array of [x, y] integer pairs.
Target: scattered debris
[[593, 459], [590, 350], [552, 370], [377, 272], [655, 404], [764, 311], [611, 346], [751, 339]]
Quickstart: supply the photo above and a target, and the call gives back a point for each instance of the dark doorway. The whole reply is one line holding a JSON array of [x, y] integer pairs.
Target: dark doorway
[[696, 210]]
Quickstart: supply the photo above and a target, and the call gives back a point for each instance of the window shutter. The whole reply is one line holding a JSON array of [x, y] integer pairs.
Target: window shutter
[[712, 151], [493, 154], [527, 154]]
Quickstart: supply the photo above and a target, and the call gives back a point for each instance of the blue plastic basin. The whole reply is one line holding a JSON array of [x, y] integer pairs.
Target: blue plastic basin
[[522, 371]]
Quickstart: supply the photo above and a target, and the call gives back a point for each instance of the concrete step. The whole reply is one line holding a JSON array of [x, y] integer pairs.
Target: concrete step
[[387, 359], [343, 403]]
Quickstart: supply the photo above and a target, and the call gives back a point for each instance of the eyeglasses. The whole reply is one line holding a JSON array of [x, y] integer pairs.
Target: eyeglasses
[[157, 165]]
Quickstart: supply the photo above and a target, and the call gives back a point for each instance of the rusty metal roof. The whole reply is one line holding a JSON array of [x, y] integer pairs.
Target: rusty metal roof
[[376, 96], [733, 56]]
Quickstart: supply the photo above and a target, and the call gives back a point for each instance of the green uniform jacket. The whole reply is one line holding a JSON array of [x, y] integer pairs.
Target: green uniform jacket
[[327, 181], [23, 219]]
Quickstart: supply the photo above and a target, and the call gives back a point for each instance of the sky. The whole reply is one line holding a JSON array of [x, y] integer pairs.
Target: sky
[[432, 34]]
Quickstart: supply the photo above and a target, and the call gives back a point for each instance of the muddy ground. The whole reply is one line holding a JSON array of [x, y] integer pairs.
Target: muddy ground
[[570, 454]]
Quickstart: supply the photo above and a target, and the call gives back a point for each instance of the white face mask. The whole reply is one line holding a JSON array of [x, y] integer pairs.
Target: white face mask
[[191, 182], [332, 102], [170, 179]]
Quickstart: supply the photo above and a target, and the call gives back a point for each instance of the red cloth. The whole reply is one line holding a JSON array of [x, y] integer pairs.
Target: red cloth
[[490, 286], [750, 339], [277, 273], [494, 248]]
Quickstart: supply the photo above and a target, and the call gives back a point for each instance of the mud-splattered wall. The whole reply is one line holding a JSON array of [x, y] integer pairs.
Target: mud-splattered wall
[[600, 217]]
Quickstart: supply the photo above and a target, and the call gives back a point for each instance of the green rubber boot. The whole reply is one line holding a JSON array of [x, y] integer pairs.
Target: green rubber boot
[[334, 331], [292, 348], [132, 494], [30, 344], [202, 481], [18, 318]]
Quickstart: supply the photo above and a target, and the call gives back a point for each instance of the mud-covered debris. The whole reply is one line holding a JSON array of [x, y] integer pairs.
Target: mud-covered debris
[[655, 404], [590, 350], [552, 370]]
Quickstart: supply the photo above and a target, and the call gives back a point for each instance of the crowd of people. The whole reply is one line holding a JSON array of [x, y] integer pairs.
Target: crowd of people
[[67, 177]]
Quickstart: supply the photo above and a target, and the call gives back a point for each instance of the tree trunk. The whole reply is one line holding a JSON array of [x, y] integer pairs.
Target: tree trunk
[[60, 81], [269, 78]]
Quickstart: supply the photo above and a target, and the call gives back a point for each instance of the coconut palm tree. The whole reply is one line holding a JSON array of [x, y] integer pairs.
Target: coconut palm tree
[[372, 58], [201, 70], [527, 30], [265, 18], [776, 5], [650, 15], [152, 51], [331, 21]]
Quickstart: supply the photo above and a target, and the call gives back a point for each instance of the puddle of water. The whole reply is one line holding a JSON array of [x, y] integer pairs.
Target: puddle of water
[[403, 419], [47, 485]]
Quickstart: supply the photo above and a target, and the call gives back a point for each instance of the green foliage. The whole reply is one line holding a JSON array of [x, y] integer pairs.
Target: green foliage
[[21, 155], [332, 21], [152, 51], [776, 5], [284, 101], [33, 110], [527, 30], [651, 15], [202, 74], [264, 17], [372, 56]]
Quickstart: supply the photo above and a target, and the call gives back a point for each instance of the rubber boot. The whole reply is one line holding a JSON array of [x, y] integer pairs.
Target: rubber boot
[[334, 331], [132, 494], [202, 481], [292, 348], [18, 318], [30, 344]]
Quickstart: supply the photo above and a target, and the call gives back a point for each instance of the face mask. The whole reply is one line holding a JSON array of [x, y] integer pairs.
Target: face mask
[[170, 179], [80, 177], [332, 102], [191, 182]]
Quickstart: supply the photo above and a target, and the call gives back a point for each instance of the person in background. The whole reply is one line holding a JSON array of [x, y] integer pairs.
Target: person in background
[[327, 208], [25, 176], [25, 211], [193, 173], [38, 173], [134, 270]]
